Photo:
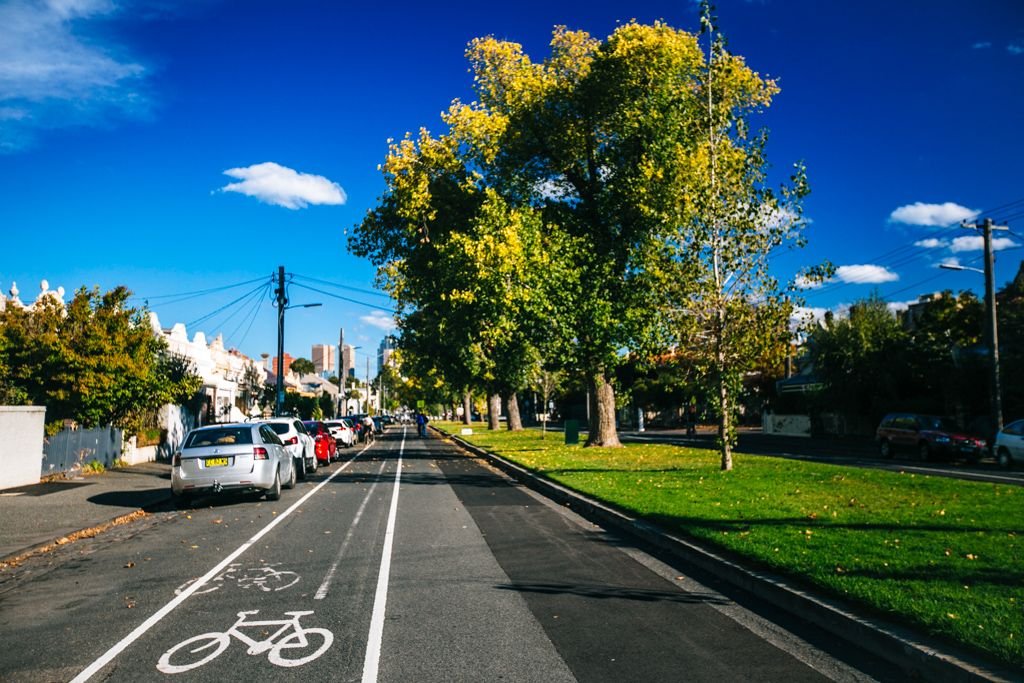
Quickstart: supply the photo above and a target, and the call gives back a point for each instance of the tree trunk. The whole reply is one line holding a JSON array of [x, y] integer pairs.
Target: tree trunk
[[467, 409], [493, 411], [515, 420], [602, 413], [725, 428]]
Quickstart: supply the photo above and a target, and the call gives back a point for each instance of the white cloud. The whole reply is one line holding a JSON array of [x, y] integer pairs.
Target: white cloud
[[977, 243], [931, 243], [57, 71], [380, 320], [1015, 49], [275, 184], [803, 282], [898, 306], [920, 213], [949, 261], [865, 274], [982, 45]]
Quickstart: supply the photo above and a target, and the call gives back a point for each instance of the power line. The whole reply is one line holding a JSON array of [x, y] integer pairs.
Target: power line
[[191, 295], [258, 304], [208, 316], [343, 298], [341, 286]]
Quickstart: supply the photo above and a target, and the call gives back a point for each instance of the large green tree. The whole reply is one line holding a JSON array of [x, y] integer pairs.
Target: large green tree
[[95, 360], [729, 313], [863, 360]]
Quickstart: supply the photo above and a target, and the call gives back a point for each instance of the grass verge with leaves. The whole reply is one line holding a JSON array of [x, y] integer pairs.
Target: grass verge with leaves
[[944, 555]]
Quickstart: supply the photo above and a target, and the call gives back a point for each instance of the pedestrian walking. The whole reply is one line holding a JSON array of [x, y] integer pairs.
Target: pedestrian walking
[[421, 424]]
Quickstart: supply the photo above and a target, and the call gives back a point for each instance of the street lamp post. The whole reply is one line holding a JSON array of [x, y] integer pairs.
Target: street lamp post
[[282, 306], [992, 328]]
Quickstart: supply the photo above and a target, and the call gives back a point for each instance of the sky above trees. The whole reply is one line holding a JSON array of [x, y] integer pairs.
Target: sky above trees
[[181, 149]]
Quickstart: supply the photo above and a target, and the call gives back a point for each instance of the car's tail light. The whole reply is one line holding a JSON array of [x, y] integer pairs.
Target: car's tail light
[[260, 453], [176, 459], [292, 441]]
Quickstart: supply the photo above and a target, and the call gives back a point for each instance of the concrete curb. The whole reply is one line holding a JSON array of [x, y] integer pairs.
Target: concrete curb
[[918, 656]]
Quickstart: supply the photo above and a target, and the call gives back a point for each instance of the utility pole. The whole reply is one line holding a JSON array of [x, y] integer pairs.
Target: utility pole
[[992, 331], [342, 401], [368, 387], [282, 302]]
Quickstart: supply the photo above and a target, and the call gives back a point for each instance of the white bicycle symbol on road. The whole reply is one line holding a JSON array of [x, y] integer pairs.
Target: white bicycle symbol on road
[[264, 577], [278, 646]]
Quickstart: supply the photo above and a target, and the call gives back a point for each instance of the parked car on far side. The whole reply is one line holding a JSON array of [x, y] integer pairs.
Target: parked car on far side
[[1009, 448], [227, 458], [297, 442], [342, 431], [325, 446], [926, 436]]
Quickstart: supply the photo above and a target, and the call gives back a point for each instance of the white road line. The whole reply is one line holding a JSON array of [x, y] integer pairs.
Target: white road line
[[141, 629], [372, 662], [321, 592]]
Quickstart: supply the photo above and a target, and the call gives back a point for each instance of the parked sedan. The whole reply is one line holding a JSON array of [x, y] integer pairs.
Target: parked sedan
[[297, 441], [1009, 446], [926, 436], [231, 458], [342, 431], [325, 447]]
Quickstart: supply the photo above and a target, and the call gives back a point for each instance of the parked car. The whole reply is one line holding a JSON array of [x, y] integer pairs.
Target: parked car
[[231, 458], [297, 441], [325, 447], [343, 432], [357, 425], [1009, 446], [927, 436]]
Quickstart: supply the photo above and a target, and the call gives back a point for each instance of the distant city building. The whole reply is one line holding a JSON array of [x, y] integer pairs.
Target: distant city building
[[323, 356], [288, 360], [348, 361], [384, 352]]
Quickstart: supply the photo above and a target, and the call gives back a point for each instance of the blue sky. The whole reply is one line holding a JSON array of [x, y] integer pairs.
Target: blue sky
[[185, 147]]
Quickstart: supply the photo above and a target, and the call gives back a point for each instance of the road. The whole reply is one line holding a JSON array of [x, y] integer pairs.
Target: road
[[406, 561]]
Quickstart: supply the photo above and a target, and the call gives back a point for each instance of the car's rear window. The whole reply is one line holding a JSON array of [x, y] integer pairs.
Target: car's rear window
[[227, 436], [279, 427]]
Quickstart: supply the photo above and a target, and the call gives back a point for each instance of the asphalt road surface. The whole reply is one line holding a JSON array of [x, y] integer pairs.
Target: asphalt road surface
[[405, 561]]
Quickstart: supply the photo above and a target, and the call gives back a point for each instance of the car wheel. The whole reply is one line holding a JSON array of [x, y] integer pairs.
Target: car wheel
[[885, 448], [923, 452], [314, 464], [290, 484], [1004, 458], [274, 492], [299, 464]]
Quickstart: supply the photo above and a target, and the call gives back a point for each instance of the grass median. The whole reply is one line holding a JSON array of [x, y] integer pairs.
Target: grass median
[[941, 554]]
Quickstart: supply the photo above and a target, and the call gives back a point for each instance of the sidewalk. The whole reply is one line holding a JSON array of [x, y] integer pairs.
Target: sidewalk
[[39, 514]]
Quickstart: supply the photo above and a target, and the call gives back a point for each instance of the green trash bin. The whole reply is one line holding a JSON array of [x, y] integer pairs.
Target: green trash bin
[[572, 431]]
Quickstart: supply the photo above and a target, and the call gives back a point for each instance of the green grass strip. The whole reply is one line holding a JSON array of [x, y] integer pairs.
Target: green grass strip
[[943, 555]]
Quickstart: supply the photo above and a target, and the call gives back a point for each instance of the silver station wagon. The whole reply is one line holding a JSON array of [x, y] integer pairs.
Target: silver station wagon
[[231, 458]]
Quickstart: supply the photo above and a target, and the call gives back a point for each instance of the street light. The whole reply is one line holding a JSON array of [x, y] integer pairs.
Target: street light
[[282, 306], [991, 335], [279, 403]]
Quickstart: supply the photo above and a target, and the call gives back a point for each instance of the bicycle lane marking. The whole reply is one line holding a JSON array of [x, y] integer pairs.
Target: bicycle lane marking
[[371, 664], [321, 592], [153, 620]]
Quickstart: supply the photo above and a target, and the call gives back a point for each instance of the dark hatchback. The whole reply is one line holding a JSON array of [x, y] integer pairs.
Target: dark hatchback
[[926, 436]]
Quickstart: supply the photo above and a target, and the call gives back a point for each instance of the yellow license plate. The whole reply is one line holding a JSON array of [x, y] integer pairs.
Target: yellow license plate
[[216, 462]]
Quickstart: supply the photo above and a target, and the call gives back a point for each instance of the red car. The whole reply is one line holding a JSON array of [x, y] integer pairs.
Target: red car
[[324, 444], [927, 436]]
